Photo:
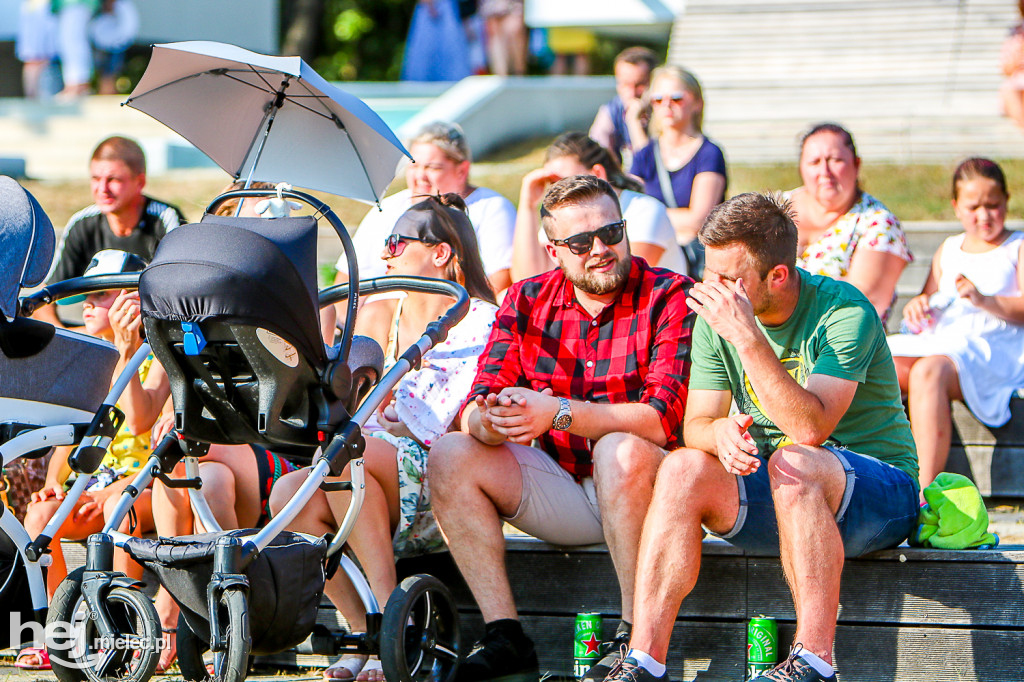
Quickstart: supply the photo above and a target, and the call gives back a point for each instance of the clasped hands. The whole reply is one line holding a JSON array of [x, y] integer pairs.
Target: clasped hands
[[518, 414]]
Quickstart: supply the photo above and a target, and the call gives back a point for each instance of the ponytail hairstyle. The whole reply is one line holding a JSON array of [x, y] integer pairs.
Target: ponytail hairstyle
[[450, 224], [590, 154], [978, 167]]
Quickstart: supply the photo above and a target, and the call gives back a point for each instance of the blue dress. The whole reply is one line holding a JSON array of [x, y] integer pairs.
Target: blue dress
[[436, 48]]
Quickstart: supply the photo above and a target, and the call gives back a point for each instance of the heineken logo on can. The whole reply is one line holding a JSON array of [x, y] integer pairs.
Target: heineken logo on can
[[586, 643]]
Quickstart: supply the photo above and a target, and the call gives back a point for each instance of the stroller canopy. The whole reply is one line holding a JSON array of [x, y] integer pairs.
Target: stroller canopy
[[251, 271], [26, 243]]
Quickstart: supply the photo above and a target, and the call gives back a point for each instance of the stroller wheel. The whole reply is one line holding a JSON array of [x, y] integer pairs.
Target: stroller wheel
[[131, 657], [190, 653], [230, 666], [63, 661], [420, 632]]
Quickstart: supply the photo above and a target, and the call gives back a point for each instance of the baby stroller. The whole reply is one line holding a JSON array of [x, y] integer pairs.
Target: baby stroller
[[229, 308], [54, 390]]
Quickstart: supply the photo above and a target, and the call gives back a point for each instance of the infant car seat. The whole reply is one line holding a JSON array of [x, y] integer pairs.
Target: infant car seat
[[231, 311]]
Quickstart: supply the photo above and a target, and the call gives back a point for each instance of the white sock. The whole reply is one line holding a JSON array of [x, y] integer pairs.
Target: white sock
[[823, 668], [647, 662]]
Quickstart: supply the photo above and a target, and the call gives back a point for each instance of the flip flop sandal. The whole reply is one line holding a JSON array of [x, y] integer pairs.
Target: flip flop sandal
[[350, 664], [372, 665], [41, 659]]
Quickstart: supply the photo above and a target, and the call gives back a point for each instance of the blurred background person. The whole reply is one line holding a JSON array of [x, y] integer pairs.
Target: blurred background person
[[73, 18], [35, 46], [621, 124], [680, 167], [436, 48], [506, 36], [112, 32]]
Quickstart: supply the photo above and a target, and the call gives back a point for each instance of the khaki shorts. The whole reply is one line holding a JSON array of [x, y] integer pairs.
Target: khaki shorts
[[555, 508]]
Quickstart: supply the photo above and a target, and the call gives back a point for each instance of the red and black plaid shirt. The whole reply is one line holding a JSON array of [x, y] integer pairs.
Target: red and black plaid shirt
[[637, 350]]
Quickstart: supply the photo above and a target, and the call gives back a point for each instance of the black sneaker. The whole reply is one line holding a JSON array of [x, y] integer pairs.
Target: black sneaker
[[628, 670], [495, 658], [794, 669], [614, 651]]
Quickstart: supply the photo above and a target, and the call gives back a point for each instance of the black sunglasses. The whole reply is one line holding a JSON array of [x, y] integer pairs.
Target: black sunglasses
[[395, 243], [579, 244]]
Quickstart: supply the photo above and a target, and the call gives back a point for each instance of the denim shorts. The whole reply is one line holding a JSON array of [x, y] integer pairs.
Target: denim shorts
[[879, 507]]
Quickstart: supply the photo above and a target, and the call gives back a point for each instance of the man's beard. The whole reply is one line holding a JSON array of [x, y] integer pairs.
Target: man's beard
[[599, 284]]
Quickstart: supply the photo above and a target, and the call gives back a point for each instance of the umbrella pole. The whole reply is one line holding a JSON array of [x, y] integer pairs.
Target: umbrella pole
[[271, 113]]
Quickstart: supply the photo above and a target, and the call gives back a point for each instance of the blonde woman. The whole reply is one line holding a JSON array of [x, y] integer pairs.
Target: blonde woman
[[681, 167]]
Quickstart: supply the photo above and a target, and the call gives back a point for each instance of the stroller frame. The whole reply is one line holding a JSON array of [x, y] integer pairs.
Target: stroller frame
[[230, 641]]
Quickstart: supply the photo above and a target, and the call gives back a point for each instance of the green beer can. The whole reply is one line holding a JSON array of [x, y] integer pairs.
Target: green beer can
[[586, 643], [762, 646]]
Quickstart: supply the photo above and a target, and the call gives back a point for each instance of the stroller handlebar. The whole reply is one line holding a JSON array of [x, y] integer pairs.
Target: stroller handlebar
[[437, 330], [75, 287], [323, 209]]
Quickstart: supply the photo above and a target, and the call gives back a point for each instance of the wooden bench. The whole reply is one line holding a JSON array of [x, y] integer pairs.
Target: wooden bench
[[905, 614]]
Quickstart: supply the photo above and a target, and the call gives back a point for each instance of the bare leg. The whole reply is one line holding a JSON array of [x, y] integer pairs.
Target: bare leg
[[37, 516], [497, 49], [692, 488], [515, 37], [472, 486], [371, 537], [933, 383], [625, 468], [808, 485], [239, 473]]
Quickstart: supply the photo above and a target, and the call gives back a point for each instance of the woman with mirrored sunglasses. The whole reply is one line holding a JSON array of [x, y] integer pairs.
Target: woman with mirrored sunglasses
[[680, 166], [434, 238], [647, 224]]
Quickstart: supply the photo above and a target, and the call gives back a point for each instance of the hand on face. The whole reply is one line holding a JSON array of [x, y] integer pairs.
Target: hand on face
[[726, 307], [535, 185]]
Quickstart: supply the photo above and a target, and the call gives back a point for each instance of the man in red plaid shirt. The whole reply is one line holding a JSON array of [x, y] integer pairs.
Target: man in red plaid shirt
[[591, 361]]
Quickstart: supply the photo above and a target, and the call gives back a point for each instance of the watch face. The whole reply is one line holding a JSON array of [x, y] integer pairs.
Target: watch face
[[563, 421]]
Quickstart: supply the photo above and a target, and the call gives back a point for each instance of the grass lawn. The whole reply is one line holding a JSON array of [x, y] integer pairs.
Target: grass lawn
[[913, 192]]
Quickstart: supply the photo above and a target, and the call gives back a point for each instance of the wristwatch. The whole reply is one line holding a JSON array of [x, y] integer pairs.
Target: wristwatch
[[562, 420]]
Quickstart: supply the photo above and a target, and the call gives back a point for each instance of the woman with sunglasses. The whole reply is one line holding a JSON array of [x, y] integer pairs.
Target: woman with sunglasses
[[434, 238], [681, 167], [647, 225]]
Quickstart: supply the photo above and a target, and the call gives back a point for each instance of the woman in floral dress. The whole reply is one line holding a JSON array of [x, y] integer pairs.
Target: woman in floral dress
[[845, 233], [434, 238]]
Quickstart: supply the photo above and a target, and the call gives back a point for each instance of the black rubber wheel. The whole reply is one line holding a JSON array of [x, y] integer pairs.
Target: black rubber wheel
[[419, 638], [63, 609], [134, 654], [190, 653], [233, 664]]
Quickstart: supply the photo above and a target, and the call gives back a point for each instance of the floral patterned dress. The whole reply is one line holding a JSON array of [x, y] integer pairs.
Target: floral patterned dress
[[427, 401], [868, 224]]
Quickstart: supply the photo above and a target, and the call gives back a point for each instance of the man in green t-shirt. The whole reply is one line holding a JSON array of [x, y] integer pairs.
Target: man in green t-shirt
[[818, 461]]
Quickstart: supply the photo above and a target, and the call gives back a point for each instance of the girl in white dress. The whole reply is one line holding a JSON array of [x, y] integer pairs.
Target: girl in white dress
[[964, 334]]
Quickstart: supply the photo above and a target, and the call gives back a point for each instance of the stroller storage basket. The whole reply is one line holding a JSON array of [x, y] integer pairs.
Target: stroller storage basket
[[286, 583]]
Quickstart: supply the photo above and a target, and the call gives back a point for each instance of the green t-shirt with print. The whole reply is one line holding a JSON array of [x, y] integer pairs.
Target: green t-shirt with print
[[834, 331]]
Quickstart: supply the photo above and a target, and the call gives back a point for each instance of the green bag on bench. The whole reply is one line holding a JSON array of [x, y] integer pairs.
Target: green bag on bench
[[954, 516]]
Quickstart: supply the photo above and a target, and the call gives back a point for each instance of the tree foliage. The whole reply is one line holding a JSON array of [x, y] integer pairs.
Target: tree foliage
[[362, 39]]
